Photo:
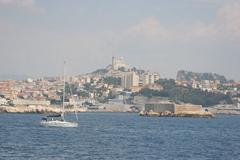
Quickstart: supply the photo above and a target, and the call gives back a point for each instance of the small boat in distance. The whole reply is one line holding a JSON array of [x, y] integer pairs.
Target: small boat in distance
[[58, 120]]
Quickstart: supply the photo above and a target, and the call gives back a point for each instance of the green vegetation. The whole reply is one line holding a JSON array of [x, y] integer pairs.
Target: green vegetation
[[186, 95], [112, 80], [71, 89], [187, 76], [222, 87], [89, 87], [100, 71]]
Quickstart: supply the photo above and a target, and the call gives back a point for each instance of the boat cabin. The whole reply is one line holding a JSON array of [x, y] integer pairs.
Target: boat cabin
[[53, 117]]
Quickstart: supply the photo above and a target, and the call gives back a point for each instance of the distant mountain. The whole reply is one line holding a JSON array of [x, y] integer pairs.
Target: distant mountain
[[13, 77], [188, 76]]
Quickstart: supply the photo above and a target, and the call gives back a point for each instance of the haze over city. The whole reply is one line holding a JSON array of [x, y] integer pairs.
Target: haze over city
[[164, 36]]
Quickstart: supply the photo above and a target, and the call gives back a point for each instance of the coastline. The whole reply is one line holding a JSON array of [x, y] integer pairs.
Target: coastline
[[55, 109], [230, 111], [37, 109], [182, 114]]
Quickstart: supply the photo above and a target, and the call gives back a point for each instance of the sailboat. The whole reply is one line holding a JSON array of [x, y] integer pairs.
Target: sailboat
[[58, 120]]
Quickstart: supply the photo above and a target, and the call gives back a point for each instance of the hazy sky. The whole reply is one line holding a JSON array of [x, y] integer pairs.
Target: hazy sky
[[159, 35]]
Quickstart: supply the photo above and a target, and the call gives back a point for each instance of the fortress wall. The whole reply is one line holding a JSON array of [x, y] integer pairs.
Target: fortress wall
[[188, 108], [159, 107]]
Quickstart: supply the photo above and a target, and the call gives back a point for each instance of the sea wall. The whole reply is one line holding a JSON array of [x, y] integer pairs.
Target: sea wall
[[159, 107], [116, 108], [175, 110], [185, 108]]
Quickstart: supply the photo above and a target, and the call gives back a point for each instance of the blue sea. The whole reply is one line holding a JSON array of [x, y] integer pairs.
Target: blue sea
[[120, 136]]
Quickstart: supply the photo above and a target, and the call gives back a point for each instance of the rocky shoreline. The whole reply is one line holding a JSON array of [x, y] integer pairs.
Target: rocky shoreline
[[37, 109], [183, 114], [55, 109], [225, 111]]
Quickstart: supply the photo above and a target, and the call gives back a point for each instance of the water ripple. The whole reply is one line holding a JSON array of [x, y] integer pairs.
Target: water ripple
[[120, 136]]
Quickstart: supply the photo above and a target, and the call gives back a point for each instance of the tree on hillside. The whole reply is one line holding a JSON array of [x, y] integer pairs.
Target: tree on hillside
[[185, 94], [112, 80]]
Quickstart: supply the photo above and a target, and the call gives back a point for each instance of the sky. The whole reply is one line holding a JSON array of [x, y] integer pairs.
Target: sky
[[165, 36]]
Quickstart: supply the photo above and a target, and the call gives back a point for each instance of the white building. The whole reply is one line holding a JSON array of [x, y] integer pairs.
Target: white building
[[129, 80], [3, 101], [149, 78], [80, 102], [118, 62]]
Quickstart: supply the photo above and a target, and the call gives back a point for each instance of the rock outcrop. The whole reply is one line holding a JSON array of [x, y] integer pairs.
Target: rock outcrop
[[188, 76], [224, 109], [203, 114], [175, 110], [194, 114]]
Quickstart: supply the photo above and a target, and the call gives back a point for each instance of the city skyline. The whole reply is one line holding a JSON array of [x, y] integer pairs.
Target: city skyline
[[196, 35]]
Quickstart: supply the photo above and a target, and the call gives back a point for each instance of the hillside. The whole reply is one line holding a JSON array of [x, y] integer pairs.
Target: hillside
[[186, 95], [188, 76]]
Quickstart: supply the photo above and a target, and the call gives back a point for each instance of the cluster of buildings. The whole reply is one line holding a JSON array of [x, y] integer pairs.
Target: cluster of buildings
[[109, 89], [205, 85], [216, 86], [82, 90], [131, 78], [29, 92]]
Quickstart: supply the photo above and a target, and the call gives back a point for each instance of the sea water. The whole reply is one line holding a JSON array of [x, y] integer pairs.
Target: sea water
[[123, 136]]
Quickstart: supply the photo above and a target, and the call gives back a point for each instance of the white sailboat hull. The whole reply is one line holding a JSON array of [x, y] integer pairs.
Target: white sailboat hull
[[54, 122], [57, 123]]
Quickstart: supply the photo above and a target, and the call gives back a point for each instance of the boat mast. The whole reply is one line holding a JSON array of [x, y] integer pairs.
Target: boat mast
[[63, 99]]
